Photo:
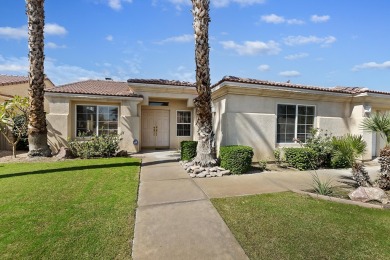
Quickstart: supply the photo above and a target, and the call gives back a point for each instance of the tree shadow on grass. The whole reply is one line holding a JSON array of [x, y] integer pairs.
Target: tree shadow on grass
[[159, 162], [70, 169]]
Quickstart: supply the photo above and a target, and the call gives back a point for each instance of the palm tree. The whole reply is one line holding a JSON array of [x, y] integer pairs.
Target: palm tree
[[200, 11], [378, 122], [37, 131]]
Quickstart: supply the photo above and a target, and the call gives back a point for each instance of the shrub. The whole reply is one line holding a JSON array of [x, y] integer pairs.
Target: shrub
[[188, 150], [236, 158], [278, 156], [321, 142], [346, 150], [96, 146], [263, 165], [300, 158]]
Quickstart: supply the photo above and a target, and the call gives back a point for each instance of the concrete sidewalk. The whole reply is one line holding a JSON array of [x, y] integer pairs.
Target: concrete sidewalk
[[175, 219]]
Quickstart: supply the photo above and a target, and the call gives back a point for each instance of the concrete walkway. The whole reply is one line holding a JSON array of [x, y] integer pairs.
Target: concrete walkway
[[176, 220]]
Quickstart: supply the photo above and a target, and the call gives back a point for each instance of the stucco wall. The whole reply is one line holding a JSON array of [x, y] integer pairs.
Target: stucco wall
[[62, 119], [251, 120]]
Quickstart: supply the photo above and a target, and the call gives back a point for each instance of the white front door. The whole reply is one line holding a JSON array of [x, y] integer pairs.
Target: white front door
[[155, 128]]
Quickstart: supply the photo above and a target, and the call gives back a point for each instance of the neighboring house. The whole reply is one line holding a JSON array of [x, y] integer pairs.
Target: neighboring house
[[15, 86], [160, 114]]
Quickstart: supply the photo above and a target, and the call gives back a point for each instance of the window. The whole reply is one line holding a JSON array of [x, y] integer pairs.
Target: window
[[96, 120], [294, 121], [183, 123], [158, 104]]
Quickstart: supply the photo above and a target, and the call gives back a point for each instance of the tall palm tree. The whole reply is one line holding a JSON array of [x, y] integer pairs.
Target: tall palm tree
[[200, 11], [37, 131]]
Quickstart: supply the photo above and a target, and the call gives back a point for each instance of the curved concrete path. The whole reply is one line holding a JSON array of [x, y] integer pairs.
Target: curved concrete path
[[175, 219]]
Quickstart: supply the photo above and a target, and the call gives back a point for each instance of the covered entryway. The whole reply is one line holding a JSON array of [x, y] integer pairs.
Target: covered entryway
[[155, 128]]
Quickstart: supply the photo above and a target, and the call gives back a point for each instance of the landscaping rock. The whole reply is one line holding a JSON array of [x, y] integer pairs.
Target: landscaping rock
[[226, 172], [192, 175], [366, 194], [121, 153], [201, 175], [64, 153]]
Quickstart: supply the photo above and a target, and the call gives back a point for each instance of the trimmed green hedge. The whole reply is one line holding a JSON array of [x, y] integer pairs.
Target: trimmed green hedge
[[188, 150], [236, 158], [300, 158]]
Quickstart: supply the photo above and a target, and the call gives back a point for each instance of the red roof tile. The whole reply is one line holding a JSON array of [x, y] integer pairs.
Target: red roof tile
[[162, 82], [345, 90], [95, 87], [11, 80]]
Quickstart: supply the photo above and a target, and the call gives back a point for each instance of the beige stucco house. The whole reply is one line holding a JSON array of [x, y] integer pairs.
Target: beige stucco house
[[265, 115], [15, 86]]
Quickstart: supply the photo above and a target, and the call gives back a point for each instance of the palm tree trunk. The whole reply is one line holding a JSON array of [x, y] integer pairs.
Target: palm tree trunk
[[37, 131], [200, 11]]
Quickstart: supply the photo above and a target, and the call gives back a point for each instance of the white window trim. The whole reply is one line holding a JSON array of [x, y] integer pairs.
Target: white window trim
[[296, 120], [97, 117], [184, 123]]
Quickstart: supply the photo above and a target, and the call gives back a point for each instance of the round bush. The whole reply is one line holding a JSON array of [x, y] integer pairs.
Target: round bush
[[188, 150], [236, 158]]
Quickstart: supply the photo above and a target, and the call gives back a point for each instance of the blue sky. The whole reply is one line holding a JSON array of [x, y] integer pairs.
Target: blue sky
[[322, 43]]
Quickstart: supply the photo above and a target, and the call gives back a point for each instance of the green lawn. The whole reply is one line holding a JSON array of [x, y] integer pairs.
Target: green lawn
[[79, 209], [291, 226]]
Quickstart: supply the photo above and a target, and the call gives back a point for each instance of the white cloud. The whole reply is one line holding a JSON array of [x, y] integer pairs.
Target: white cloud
[[273, 18], [109, 38], [52, 45], [296, 56], [301, 40], [290, 73], [22, 32], [14, 65], [55, 29], [372, 65], [264, 67], [319, 19], [183, 74], [178, 39], [252, 47], [276, 19], [117, 4], [13, 33]]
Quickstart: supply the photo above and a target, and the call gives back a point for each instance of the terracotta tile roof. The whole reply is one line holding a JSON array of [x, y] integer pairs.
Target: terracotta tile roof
[[11, 80], [345, 90], [96, 87], [162, 82]]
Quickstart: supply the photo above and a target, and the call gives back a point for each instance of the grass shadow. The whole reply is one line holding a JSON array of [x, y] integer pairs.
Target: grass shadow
[[69, 169]]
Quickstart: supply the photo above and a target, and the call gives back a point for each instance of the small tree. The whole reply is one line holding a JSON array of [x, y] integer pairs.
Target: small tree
[[11, 125]]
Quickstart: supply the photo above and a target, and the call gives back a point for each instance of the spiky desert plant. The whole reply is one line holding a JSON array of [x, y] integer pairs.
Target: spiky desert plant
[[37, 130], [204, 154], [384, 175], [360, 175]]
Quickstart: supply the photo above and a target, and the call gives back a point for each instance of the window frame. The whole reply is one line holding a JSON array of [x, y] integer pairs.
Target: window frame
[[295, 122], [177, 111], [97, 117]]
